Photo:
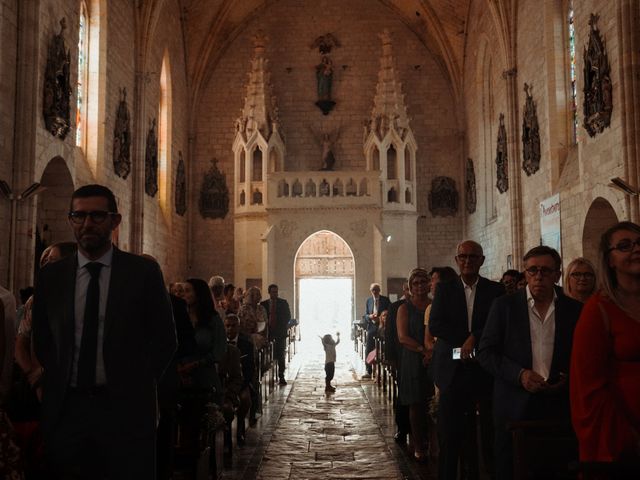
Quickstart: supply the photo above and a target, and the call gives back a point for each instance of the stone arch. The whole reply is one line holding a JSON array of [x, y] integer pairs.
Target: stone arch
[[53, 205], [600, 216]]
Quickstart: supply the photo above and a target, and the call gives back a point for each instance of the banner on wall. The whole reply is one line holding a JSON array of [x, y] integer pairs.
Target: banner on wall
[[550, 223]]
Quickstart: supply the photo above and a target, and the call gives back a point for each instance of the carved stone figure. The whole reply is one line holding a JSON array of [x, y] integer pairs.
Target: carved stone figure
[[598, 100], [470, 187], [443, 198], [359, 227], [57, 87], [214, 194], [122, 138], [502, 167], [181, 187], [327, 141], [530, 135], [324, 71], [151, 162]]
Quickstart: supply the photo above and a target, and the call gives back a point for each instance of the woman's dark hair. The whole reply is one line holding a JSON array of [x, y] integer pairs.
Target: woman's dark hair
[[229, 288], [205, 309], [66, 248], [446, 274]]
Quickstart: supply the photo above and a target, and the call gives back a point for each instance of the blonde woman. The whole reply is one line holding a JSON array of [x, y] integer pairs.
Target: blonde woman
[[253, 317], [580, 279]]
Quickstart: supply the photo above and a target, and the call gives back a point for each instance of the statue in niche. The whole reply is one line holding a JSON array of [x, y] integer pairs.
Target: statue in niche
[[122, 138], [256, 198], [324, 188], [470, 187], [296, 190], [57, 87], [443, 198], [181, 187], [324, 71], [214, 194], [327, 141], [351, 189], [151, 162], [530, 135], [310, 189], [501, 158], [598, 102]]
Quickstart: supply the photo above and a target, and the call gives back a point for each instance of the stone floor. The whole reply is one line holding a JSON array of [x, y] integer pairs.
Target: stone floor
[[305, 433]]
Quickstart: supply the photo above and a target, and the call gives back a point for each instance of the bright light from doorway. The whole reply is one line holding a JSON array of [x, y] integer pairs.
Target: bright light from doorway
[[325, 306]]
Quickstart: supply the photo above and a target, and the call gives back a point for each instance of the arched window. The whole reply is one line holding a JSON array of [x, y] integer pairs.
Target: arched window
[[573, 88], [83, 75], [164, 135], [392, 163], [407, 164]]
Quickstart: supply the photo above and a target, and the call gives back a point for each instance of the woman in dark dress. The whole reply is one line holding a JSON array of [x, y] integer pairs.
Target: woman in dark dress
[[415, 387]]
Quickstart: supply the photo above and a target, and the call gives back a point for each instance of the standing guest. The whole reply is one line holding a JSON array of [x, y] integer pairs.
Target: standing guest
[[580, 279], [438, 274], [104, 333], [329, 345], [605, 365], [458, 315], [374, 305], [526, 346], [176, 289], [279, 318], [415, 387], [510, 280], [521, 283], [247, 359], [392, 355], [230, 303], [216, 283], [253, 317]]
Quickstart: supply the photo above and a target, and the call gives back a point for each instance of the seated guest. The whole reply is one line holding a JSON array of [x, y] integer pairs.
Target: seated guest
[[247, 359], [374, 305], [231, 303], [580, 279], [230, 372], [509, 280], [526, 346], [605, 364], [216, 284]]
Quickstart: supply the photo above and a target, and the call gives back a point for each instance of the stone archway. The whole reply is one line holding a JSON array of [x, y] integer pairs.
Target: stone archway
[[53, 205], [324, 276], [600, 216]]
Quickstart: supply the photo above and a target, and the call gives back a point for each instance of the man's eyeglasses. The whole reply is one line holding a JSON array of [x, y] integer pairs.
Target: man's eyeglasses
[[97, 216], [544, 271], [626, 245], [473, 257], [579, 275]]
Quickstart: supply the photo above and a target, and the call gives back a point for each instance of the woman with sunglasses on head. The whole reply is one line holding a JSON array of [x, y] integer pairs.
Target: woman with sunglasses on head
[[580, 279], [605, 363]]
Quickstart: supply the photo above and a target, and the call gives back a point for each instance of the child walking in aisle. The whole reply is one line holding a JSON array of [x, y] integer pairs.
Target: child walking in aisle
[[329, 345]]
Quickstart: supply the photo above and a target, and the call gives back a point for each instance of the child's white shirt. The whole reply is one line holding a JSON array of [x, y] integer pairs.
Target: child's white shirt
[[330, 350]]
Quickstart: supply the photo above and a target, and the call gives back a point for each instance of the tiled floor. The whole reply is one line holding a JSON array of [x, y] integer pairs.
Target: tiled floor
[[306, 433]]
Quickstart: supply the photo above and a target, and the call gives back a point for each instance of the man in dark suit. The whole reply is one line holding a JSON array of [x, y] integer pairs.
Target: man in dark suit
[[526, 346], [279, 317], [247, 360], [104, 333], [373, 307], [458, 315]]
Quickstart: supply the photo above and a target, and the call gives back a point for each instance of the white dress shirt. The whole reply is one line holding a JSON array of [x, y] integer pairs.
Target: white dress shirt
[[543, 331], [470, 295], [82, 284]]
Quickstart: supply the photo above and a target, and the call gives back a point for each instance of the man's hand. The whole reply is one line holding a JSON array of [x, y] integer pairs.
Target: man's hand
[[532, 382], [558, 385], [466, 351]]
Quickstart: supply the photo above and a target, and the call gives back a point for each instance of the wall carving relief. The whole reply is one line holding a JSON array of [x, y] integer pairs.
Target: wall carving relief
[[502, 167], [151, 162], [598, 100], [287, 227], [181, 187], [443, 198], [324, 71], [359, 227], [122, 138], [214, 194], [57, 87], [530, 135], [470, 187]]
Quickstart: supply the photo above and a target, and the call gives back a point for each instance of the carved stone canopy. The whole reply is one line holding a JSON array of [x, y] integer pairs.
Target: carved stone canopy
[[530, 135], [57, 86], [122, 138], [181, 187], [470, 187], [443, 198], [502, 166], [214, 194], [598, 99], [151, 162]]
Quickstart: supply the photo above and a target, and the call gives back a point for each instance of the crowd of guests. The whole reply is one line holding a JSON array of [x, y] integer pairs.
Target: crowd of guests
[[476, 359], [104, 373]]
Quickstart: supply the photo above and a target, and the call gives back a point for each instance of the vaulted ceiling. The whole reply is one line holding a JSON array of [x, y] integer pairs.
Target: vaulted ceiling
[[211, 25]]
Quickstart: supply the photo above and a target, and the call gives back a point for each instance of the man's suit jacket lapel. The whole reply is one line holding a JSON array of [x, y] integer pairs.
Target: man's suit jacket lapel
[[460, 299], [559, 334], [117, 284], [478, 301], [69, 305], [521, 317]]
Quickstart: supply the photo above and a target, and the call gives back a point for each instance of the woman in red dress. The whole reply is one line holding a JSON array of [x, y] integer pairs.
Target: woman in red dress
[[605, 362]]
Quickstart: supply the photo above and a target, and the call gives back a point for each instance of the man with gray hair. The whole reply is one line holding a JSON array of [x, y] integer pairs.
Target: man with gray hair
[[216, 284], [374, 306]]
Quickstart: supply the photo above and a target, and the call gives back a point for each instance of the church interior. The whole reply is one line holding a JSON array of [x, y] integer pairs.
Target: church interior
[[269, 142]]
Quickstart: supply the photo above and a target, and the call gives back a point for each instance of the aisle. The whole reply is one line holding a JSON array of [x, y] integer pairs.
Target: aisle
[[322, 436]]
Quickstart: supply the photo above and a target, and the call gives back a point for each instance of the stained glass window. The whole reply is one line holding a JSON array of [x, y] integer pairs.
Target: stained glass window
[[81, 90], [572, 72]]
